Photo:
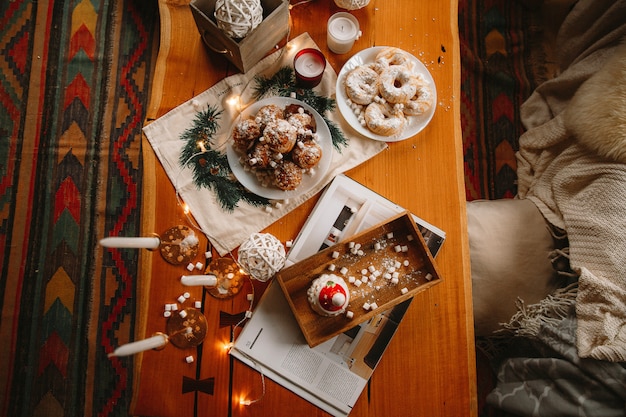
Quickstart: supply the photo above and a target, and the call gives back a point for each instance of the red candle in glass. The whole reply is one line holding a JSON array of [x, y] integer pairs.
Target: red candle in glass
[[309, 65]]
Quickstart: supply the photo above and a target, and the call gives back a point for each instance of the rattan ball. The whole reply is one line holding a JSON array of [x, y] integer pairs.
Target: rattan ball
[[352, 4], [261, 256], [237, 18]]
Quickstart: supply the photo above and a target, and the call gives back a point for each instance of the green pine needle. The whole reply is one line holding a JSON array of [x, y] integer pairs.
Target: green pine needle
[[210, 168]]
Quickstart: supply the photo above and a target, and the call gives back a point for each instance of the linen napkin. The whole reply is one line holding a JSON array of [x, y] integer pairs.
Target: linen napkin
[[225, 229]]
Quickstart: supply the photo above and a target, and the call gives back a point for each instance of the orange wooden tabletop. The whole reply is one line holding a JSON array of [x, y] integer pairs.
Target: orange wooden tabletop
[[429, 367]]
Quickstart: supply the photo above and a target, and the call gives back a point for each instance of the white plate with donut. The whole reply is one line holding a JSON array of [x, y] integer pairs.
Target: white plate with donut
[[310, 178], [414, 124]]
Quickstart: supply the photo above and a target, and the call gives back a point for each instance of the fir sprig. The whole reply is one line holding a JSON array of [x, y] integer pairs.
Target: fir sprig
[[283, 83], [210, 167]]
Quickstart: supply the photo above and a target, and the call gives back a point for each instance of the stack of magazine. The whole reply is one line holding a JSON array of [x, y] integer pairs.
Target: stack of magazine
[[333, 374]]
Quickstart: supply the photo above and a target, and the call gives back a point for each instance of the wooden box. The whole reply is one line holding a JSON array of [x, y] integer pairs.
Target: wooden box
[[396, 243], [246, 52]]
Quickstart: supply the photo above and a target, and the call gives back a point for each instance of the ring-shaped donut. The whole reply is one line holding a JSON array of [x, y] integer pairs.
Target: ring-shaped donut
[[384, 120], [397, 84], [393, 56], [421, 101], [362, 85]]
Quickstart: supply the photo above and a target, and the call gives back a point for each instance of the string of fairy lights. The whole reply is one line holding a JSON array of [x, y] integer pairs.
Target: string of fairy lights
[[235, 102]]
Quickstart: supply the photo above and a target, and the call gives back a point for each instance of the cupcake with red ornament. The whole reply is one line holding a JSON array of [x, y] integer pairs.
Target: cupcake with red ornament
[[328, 295]]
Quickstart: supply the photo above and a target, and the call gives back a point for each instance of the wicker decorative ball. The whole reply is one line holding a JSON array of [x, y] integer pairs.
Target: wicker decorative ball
[[352, 4], [261, 256], [237, 18]]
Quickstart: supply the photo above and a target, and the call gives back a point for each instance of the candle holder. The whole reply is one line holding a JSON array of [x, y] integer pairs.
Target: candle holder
[[343, 31], [187, 329], [177, 245], [230, 278], [309, 65], [184, 330]]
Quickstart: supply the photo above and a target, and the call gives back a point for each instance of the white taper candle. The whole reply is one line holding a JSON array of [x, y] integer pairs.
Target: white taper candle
[[197, 280], [154, 342], [130, 242]]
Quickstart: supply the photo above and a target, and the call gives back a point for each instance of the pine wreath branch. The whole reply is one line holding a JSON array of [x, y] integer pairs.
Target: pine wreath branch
[[283, 83], [210, 168]]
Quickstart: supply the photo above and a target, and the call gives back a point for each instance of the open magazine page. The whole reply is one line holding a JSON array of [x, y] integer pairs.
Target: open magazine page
[[333, 374], [346, 208], [273, 342]]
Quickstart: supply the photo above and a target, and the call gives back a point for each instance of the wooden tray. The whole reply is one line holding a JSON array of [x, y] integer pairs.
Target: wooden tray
[[387, 244]]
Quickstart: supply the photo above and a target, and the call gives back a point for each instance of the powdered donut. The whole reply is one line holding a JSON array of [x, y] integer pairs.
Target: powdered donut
[[280, 135], [268, 113], [245, 133], [397, 84], [287, 175], [306, 154], [393, 56], [362, 85], [302, 121], [421, 102], [384, 120], [260, 156]]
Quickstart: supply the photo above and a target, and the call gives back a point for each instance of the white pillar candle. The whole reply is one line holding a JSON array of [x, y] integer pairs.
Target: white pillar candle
[[154, 342], [131, 242], [343, 30], [199, 280]]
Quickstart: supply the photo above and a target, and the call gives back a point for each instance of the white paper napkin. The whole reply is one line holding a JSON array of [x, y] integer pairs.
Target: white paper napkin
[[227, 230]]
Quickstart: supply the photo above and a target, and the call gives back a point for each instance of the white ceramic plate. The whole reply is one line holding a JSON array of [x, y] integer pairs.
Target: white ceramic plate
[[249, 179], [416, 123]]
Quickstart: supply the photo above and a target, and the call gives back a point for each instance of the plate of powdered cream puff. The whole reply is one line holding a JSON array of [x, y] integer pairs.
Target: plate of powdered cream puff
[[279, 148], [386, 94]]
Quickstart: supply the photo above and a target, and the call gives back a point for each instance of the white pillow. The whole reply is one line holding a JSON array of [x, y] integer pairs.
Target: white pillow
[[510, 246]]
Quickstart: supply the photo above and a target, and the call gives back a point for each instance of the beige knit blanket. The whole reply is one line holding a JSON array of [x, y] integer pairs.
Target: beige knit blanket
[[572, 165]]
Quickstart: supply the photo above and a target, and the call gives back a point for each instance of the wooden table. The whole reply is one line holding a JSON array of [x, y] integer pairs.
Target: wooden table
[[429, 367]]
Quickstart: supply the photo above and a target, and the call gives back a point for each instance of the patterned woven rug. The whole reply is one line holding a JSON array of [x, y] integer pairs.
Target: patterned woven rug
[[74, 79], [503, 60]]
